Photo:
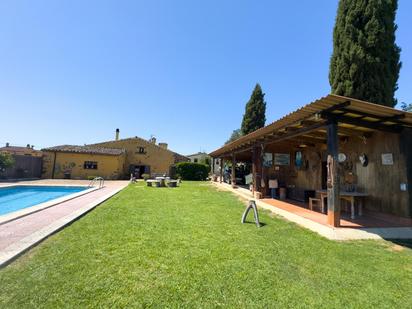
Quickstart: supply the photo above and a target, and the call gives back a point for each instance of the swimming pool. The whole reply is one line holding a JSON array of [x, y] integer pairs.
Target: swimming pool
[[19, 197]]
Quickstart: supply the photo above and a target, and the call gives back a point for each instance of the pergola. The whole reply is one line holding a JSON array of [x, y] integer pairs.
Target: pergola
[[324, 121]]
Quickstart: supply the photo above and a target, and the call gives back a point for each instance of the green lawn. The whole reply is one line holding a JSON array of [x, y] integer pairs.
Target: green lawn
[[185, 247]]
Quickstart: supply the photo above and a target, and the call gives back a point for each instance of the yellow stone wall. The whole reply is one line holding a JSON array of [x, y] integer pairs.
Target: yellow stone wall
[[108, 166], [158, 158]]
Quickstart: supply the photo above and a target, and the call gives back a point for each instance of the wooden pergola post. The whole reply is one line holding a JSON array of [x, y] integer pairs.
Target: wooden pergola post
[[253, 170], [257, 168], [233, 180], [222, 166], [333, 174], [213, 166]]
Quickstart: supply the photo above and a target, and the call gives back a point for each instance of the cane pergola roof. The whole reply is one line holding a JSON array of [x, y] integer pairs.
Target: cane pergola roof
[[354, 117]]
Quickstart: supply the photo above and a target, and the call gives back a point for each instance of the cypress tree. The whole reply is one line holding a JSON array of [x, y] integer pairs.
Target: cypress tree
[[254, 117], [365, 61]]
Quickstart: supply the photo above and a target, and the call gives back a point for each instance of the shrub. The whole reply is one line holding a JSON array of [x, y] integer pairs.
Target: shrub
[[192, 171], [6, 160], [145, 176]]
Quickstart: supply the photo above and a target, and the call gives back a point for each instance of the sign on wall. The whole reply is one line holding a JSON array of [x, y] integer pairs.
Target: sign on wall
[[267, 159], [387, 159], [282, 159]]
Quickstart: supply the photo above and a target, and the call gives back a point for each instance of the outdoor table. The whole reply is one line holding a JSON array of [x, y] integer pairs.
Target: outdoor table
[[162, 180], [348, 196]]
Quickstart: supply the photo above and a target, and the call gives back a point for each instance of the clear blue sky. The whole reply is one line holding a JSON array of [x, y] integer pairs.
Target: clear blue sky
[[71, 72]]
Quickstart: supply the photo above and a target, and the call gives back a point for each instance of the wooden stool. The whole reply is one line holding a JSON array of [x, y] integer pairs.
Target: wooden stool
[[317, 200]]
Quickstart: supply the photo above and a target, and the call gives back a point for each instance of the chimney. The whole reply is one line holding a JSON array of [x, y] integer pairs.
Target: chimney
[[153, 140], [163, 145], [117, 134], [7, 144], [28, 146]]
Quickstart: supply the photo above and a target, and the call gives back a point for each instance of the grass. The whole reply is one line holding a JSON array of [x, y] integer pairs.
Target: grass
[[185, 247]]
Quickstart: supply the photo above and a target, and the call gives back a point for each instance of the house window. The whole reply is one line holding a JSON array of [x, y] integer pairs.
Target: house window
[[90, 165], [141, 150], [195, 160]]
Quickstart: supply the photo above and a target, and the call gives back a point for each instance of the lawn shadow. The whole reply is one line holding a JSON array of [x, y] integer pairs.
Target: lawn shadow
[[402, 242], [262, 224]]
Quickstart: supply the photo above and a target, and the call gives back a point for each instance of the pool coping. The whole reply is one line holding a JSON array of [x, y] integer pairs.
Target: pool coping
[[12, 252], [39, 207]]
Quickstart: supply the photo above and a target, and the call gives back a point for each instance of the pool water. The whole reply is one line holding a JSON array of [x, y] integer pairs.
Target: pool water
[[20, 197]]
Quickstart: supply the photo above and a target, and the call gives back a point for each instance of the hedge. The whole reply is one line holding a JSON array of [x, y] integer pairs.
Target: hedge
[[192, 171]]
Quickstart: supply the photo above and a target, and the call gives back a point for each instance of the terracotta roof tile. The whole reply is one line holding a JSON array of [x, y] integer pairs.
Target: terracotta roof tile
[[86, 149]]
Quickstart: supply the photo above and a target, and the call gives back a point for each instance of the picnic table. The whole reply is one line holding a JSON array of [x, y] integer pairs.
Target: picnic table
[[355, 198], [162, 182]]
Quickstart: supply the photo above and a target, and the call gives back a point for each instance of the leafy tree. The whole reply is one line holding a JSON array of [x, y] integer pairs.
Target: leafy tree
[[205, 160], [406, 107], [234, 136], [6, 160], [365, 61], [254, 117]]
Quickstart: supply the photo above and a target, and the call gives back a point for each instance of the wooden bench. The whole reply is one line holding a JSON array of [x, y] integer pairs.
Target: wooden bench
[[318, 202]]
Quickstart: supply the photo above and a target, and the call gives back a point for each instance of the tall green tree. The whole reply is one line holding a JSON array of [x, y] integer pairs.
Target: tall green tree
[[234, 136], [254, 117], [365, 61]]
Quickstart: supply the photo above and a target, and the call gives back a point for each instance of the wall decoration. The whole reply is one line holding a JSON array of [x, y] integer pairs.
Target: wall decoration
[[298, 159], [363, 158], [273, 183], [348, 165], [387, 159], [341, 157], [282, 159], [267, 159]]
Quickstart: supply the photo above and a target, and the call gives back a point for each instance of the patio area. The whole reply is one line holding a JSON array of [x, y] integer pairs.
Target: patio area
[[371, 225], [369, 219]]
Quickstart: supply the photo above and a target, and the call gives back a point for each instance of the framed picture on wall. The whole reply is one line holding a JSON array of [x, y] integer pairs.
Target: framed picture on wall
[[267, 159], [387, 159], [282, 159]]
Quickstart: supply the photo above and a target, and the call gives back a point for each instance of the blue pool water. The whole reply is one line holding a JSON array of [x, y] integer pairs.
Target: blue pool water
[[19, 197]]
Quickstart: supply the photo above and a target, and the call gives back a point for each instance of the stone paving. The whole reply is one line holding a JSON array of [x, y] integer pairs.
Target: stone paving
[[21, 234]]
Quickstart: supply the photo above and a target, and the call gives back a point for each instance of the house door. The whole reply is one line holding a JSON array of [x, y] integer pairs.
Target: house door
[[139, 170]]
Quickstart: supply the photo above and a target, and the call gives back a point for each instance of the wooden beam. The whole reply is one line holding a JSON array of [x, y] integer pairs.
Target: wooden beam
[[363, 123], [301, 131], [380, 119], [333, 175], [307, 140], [334, 108]]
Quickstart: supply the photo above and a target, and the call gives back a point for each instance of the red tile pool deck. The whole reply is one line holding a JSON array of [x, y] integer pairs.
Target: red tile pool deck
[[21, 234]]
